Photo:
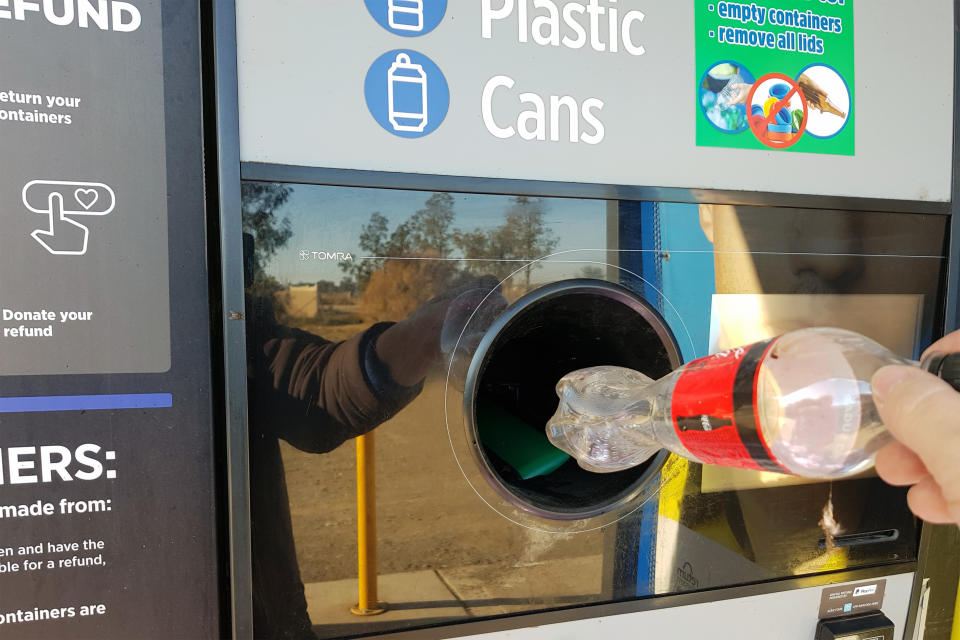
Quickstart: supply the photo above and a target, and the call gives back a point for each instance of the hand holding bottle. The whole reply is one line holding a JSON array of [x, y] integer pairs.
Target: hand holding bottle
[[801, 403], [923, 413]]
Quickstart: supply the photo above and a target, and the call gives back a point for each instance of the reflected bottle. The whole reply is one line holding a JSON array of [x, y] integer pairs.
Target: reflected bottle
[[800, 404]]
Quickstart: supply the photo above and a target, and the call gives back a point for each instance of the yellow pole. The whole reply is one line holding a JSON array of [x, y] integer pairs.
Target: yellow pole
[[955, 634], [367, 604]]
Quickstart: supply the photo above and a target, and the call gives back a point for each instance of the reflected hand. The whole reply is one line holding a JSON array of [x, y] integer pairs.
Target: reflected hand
[[469, 315], [414, 344], [922, 412]]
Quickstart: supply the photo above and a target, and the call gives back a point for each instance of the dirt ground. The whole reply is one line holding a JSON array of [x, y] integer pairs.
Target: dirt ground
[[428, 517]]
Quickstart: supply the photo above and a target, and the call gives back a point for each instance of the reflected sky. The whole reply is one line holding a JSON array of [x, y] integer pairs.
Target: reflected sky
[[325, 218]]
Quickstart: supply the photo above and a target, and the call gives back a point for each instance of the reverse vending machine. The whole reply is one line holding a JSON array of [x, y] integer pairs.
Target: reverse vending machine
[[442, 208], [286, 289]]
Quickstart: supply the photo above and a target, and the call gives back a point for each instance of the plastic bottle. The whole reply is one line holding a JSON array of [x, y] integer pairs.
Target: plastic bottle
[[799, 404], [731, 91], [817, 97]]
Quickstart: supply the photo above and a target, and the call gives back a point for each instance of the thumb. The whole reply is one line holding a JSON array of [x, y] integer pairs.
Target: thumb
[[923, 413]]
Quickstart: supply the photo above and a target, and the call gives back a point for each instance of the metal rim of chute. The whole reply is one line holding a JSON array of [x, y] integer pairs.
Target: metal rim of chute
[[465, 442]]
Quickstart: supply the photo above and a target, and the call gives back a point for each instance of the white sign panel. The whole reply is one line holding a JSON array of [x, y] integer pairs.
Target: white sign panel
[[607, 91]]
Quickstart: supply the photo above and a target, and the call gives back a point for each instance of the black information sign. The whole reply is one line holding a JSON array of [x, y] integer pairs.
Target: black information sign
[[107, 505]]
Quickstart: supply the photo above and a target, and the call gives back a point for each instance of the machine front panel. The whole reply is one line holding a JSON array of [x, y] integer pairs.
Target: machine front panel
[[440, 323], [790, 616]]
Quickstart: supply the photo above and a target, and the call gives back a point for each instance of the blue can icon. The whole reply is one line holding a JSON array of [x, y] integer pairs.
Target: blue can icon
[[407, 95]]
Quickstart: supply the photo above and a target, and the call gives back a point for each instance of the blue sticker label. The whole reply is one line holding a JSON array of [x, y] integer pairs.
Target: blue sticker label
[[409, 18], [406, 93]]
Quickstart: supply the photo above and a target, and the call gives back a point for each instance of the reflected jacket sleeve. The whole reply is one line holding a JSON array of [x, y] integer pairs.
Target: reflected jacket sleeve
[[316, 394]]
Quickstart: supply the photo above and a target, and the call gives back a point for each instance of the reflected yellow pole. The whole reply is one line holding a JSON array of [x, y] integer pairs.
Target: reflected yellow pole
[[367, 604]]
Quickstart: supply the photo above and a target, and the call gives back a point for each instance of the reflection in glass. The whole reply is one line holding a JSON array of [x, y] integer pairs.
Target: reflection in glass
[[365, 311]]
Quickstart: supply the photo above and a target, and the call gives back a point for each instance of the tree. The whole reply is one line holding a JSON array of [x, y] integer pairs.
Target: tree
[[259, 204], [373, 243], [531, 238], [592, 271], [521, 239], [429, 227], [400, 244], [425, 234], [488, 251], [400, 286]]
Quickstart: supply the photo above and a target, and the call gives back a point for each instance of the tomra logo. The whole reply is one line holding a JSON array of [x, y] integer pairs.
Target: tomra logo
[[868, 590]]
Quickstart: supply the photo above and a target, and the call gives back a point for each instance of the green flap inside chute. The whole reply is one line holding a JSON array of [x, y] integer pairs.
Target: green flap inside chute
[[519, 444]]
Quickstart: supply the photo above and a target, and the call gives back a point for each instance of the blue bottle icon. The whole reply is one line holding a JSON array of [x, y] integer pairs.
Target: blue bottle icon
[[407, 95], [407, 18], [405, 15]]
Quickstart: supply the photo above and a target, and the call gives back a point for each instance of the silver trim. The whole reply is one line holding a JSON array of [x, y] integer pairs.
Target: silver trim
[[524, 620], [952, 309], [423, 182], [937, 542], [920, 630], [930, 580], [234, 334]]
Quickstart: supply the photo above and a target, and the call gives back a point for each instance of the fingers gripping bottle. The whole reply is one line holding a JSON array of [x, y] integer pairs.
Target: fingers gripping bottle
[[800, 404]]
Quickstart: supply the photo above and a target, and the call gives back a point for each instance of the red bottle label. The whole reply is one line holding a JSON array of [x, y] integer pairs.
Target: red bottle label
[[714, 409]]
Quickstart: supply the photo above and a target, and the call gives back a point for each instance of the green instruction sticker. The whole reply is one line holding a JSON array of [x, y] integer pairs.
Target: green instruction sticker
[[776, 74]]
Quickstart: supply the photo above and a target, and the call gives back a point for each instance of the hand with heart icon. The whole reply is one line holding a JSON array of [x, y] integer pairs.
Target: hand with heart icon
[[60, 201], [86, 197]]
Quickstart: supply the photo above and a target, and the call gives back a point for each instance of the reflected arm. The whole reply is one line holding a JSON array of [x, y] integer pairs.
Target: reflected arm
[[316, 394]]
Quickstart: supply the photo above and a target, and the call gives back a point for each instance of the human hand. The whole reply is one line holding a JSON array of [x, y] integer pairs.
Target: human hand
[[922, 412], [739, 92]]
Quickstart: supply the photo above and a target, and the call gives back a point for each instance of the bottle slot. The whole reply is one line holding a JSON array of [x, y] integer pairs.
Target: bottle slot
[[860, 539], [511, 394]]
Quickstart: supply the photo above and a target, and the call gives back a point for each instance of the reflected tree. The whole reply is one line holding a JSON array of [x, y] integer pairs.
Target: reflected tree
[[429, 228], [260, 202], [522, 238], [393, 287], [373, 242], [593, 272], [416, 260]]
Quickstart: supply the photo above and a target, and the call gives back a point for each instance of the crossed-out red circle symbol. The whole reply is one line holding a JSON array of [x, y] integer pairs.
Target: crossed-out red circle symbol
[[759, 126]]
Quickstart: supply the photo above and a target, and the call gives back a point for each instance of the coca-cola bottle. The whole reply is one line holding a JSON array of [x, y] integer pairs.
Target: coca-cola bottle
[[800, 403]]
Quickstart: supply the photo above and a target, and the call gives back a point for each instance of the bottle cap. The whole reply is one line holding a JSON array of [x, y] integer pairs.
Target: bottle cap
[[946, 366]]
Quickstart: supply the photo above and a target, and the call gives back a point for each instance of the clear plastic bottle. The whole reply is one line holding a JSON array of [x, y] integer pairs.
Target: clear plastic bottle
[[731, 91], [800, 404]]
